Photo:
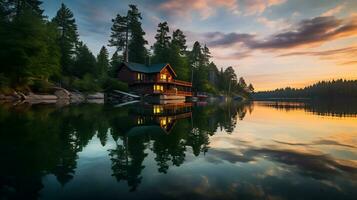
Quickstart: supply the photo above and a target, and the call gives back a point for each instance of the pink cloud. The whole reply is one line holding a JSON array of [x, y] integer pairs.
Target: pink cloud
[[252, 7], [205, 8]]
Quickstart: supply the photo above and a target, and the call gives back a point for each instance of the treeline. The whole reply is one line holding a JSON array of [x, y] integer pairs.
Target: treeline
[[38, 53], [334, 89]]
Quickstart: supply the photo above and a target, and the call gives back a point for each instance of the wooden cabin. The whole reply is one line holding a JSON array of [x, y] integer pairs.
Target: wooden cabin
[[155, 80]]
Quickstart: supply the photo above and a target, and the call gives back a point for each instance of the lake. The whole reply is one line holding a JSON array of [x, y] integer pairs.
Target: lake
[[257, 150]]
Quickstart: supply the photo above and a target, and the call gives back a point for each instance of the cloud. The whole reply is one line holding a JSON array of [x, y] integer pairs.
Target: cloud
[[352, 62], [252, 7], [273, 24], [310, 32], [315, 165], [333, 11], [347, 51], [205, 8]]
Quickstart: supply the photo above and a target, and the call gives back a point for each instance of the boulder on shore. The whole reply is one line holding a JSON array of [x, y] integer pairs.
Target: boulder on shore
[[62, 93], [37, 97], [97, 95], [77, 97]]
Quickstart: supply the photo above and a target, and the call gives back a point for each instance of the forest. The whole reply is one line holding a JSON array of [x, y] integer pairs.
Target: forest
[[335, 89], [38, 53]]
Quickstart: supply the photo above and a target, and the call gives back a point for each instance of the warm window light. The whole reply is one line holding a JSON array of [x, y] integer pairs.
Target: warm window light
[[140, 121], [158, 88], [140, 76], [163, 122], [158, 109], [163, 76]]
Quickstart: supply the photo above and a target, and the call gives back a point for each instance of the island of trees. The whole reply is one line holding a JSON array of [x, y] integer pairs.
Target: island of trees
[[38, 53], [335, 89]]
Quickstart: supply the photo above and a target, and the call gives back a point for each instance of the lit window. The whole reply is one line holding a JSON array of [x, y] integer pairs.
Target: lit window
[[140, 76], [163, 76], [140, 121], [158, 88], [158, 109]]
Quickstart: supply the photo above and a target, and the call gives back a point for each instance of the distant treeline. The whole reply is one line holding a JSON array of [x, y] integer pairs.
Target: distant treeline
[[324, 89], [38, 53]]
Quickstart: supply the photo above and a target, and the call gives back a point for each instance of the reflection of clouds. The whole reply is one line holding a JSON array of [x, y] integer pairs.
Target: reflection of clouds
[[318, 166], [318, 142]]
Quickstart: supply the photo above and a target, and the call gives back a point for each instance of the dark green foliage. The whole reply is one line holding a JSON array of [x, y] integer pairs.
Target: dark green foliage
[[85, 62], [161, 46], [128, 33], [334, 89], [114, 64], [86, 84], [137, 42], [118, 35], [28, 49], [103, 62], [177, 55], [68, 37], [114, 84]]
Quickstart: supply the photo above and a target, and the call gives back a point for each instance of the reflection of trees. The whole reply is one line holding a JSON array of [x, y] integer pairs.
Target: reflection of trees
[[326, 107], [48, 141], [127, 161], [198, 140]]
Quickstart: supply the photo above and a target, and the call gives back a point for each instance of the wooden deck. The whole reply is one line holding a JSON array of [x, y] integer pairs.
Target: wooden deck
[[175, 82]]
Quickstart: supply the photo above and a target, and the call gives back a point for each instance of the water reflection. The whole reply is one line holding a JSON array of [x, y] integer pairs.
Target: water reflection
[[177, 151], [340, 108]]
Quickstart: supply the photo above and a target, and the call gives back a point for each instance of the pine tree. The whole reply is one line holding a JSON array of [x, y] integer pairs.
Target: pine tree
[[206, 55], [118, 37], [85, 62], [179, 41], [137, 50], [177, 57], [103, 62], [128, 33], [161, 46], [68, 38], [114, 63]]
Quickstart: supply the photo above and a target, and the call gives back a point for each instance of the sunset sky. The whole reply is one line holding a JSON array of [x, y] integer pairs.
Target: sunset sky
[[271, 43]]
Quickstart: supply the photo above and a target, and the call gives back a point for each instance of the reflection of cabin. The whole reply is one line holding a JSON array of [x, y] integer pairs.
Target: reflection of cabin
[[150, 119], [158, 79]]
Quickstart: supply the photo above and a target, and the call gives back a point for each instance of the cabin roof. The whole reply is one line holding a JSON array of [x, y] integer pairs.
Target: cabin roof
[[155, 68]]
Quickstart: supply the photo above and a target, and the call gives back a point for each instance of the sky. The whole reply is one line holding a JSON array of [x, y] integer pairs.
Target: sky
[[271, 43]]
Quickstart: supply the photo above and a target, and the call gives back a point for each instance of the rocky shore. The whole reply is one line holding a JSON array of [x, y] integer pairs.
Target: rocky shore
[[60, 95]]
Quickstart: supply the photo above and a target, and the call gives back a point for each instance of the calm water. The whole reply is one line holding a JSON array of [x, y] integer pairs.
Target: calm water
[[262, 150]]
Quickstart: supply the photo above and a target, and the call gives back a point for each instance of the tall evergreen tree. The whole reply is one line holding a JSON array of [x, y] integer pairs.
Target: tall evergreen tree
[[68, 38], [161, 46], [179, 41], [177, 57], [119, 34], [137, 42], [103, 62], [128, 33], [85, 62], [206, 55], [114, 63]]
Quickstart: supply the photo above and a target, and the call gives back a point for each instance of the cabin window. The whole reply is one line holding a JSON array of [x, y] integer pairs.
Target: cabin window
[[140, 121], [163, 76], [157, 109], [140, 77], [158, 88]]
